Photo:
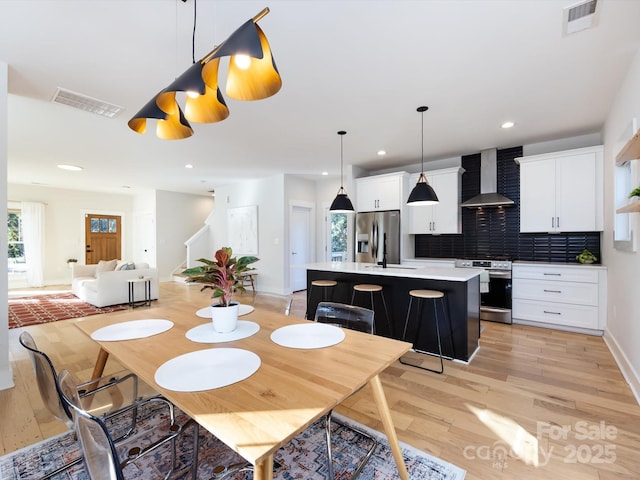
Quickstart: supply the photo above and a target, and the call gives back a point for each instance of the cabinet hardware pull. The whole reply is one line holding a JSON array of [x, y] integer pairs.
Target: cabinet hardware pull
[[553, 291], [553, 274], [552, 313], [558, 222], [553, 222]]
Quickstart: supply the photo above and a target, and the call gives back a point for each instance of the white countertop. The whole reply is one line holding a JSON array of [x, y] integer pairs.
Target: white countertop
[[451, 274]]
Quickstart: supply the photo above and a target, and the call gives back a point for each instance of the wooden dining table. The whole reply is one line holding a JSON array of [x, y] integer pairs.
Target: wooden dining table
[[291, 389]]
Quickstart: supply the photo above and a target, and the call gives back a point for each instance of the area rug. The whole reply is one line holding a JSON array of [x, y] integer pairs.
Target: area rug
[[302, 458], [36, 309]]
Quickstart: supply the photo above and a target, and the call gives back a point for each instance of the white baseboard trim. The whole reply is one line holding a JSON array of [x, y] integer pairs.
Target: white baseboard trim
[[628, 372], [6, 378]]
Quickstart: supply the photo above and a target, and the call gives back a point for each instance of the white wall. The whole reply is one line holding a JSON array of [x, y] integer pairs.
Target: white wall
[[64, 223], [6, 375], [268, 194], [178, 217], [623, 328]]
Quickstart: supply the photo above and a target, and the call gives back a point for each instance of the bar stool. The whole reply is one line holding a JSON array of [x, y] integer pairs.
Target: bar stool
[[371, 289], [326, 286], [422, 295]]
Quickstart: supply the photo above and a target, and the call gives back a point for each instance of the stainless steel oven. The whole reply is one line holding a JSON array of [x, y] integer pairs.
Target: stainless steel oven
[[495, 295]]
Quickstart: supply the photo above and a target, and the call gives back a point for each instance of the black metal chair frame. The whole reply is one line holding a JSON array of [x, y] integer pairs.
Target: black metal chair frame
[[345, 322]]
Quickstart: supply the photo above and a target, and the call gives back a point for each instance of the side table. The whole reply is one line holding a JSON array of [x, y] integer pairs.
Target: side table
[[146, 281]]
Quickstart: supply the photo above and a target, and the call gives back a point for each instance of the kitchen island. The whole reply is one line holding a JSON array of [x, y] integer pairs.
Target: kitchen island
[[461, 287]]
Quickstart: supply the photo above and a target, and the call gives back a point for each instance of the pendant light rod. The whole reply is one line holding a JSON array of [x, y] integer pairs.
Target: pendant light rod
[[422, 110], [255, 19], [341, 204], [342, 133], [422, 193]]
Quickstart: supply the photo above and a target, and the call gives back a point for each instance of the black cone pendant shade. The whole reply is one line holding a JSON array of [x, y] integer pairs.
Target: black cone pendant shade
[[341, 204], [422, 193]]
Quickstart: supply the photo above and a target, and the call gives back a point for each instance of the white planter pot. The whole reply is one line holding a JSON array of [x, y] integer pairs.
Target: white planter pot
[[225, 319]]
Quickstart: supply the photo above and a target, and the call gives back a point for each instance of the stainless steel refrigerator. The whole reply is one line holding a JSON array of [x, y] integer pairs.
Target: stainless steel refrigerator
[[377, 232]]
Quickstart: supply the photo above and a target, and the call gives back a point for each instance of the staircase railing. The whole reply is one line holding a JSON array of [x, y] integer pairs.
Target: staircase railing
[[198, 246]]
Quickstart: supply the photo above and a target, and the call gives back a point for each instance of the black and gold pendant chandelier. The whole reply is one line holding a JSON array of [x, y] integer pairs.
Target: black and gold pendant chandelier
[[252, 75]]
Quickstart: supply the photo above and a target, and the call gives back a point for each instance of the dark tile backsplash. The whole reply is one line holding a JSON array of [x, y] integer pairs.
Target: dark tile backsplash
[[495, 232]]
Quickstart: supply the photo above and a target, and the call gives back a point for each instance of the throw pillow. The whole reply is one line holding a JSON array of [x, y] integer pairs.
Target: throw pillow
[[106, 265], [129, 266], [120, 264]]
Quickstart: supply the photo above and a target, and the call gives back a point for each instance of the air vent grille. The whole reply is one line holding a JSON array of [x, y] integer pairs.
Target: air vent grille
[[86, 103], [580, 16]]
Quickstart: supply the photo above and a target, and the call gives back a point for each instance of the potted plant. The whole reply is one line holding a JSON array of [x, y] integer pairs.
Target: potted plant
[[223, 276], [586, 257]]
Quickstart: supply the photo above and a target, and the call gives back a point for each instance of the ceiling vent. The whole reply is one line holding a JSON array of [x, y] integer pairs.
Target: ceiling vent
[[88, 104], [579, 16]]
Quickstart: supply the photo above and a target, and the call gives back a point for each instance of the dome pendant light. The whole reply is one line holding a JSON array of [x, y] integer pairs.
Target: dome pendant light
[[422, 193], [341, 204]]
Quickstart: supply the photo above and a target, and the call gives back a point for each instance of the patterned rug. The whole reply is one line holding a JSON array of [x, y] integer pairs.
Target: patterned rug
[[35, 309], [302, 458]]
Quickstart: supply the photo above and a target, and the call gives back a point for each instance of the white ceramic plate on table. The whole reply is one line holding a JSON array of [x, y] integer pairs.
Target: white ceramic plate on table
[[131, 330], [308, 335], [207, 369]]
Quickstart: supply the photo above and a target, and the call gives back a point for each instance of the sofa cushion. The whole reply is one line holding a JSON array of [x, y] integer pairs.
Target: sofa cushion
[[128, 266], [106, 265]]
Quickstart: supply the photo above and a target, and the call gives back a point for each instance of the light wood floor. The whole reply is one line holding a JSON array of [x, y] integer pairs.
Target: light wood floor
[[555, 402]]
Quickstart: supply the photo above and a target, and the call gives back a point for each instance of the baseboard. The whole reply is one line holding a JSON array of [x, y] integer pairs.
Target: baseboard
[[6, 378], [628, 372]]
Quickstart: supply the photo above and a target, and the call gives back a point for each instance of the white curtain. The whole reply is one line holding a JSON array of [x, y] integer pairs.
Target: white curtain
[[33, 237]]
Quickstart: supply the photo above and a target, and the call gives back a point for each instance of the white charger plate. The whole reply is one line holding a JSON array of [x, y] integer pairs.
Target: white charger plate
[[206, 334], [308, 335], [207, 369], [242, 310], [131, 330]]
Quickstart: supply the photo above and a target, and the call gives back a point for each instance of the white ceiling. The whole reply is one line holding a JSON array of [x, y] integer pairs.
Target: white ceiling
[[361, 66]]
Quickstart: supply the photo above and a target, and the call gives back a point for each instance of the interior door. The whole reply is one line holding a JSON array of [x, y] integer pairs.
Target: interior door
[[103, 238], [300, 241]]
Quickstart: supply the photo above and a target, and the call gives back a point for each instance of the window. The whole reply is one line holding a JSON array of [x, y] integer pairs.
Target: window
[[104, 225], [15, 254], [338, 237]]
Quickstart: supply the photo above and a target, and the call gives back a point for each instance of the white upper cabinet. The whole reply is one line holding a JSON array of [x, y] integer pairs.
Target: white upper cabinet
[[444, 217], [380, 192], [562, 191]]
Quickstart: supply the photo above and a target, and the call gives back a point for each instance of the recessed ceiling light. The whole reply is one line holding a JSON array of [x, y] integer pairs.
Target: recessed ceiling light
[[325, 173], [188, 165], [72, 168], [382, 152], [507, 125]]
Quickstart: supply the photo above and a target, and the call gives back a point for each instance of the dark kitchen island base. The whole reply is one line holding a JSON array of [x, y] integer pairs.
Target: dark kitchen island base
[[462, 298]]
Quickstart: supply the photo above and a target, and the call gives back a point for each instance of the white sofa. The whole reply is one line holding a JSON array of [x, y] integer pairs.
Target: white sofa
[[104, 288]]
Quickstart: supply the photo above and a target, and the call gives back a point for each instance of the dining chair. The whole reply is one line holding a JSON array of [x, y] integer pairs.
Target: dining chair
[[100, 450], [353, 318], [108, 397], [107, 460]]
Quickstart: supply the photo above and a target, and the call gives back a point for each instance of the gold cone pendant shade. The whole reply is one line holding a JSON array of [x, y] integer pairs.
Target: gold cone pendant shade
[[171, 123], [259, 80], [256, 79]]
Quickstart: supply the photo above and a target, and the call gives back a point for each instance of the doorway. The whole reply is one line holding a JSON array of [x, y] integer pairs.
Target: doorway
[[103, 237], [300, 243]]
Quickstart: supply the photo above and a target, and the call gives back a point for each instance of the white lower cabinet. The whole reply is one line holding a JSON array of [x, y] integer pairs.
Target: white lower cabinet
[[559, 296]]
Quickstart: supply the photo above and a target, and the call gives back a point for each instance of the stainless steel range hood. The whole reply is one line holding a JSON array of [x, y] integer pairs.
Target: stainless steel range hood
[[489, 196]]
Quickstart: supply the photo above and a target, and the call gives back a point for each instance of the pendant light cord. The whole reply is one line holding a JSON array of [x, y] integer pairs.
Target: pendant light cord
[[341, 164], [422, 152], [193, 34]]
